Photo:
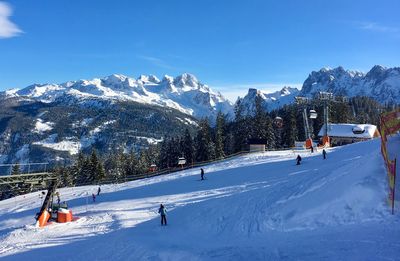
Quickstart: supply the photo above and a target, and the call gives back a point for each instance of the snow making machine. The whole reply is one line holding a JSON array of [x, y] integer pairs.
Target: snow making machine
[[51, 211]]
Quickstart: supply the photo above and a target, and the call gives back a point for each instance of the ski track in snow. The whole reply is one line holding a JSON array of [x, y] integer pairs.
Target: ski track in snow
[[255, 207]]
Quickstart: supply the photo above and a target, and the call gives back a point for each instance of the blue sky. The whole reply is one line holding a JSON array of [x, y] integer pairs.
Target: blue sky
[[229, 45]]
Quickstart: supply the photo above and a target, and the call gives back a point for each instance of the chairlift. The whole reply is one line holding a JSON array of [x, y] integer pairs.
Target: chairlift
[[153, 167], [313, 114], [181, 161], [278, 122]]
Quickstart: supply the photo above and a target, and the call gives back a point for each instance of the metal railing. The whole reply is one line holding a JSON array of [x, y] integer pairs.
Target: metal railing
[[30, 167]]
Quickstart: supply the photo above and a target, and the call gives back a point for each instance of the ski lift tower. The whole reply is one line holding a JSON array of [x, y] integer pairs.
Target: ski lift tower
[[325, 97], [303, 102]]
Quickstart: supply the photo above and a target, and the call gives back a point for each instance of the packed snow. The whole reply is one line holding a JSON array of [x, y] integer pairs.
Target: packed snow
[[101, 127], [258, 206], [149, 140], [83, 123], [187, 121], [70, 146], [41, 126]]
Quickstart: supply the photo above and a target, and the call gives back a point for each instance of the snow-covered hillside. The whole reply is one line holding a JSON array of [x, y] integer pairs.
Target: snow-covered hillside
[[32, 131], [254, 207], [184, 93]]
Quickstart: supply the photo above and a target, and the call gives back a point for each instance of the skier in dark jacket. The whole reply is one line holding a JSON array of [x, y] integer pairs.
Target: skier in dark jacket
[[324, 153], [98, 191], [202, 173], [58, 197], [298, 160], [163, 212], [312, 149]]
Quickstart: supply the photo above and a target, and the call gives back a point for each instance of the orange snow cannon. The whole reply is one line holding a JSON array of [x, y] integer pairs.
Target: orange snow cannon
[[326, 141], [309, 143], [64, 216], [43, 218]]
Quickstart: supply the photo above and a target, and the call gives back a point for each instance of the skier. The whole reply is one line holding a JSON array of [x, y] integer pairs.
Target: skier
[[58, 197], [98, 191], [312, 149], [202, 173], [324, 153], [298, 160], [94, 197], [163, 212]]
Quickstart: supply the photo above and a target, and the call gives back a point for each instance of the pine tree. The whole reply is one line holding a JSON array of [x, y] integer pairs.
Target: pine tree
[[290, 127], [113, 166], [341, 112], [205, 148], [143, 163], [95, 168], [15, 169], [152, 154], [173, 152], [259, 120], [187, 147], [65, 175], [163, 158], [81, 169], [270, 134], [220, 136], [261, 127], [131, 164], [240, 127], [229, 146]]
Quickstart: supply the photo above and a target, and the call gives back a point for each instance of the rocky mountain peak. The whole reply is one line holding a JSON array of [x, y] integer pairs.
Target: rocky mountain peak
[[380, 83], [186, 79]]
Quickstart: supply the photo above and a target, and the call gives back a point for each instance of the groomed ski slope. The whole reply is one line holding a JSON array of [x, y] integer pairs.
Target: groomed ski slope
[[255, 207]]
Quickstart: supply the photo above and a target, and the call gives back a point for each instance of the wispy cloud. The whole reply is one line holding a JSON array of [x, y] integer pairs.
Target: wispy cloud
[[376, 27], [7, 28], [157, 62]]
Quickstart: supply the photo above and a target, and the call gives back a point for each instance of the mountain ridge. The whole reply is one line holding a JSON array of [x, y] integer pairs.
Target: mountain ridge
[[380, 83], [188, 95], [184, 93]]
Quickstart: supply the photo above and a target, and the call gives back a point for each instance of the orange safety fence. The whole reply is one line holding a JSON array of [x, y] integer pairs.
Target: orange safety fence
[[390, 124]]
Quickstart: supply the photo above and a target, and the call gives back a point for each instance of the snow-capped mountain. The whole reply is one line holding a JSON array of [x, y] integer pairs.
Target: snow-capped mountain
[[380, 83], [55, 121], [183, 93], [271, 101]]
